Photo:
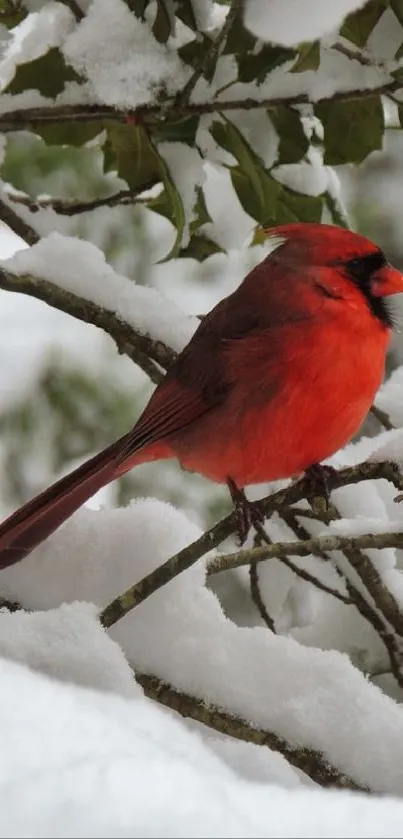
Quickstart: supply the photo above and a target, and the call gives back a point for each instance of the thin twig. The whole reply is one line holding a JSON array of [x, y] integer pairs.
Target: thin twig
[[257, 597], [291, 520], [71, 207], [310, 761], [209, 540], [17, 224], [320, 544], [382, 417], [210, 55]]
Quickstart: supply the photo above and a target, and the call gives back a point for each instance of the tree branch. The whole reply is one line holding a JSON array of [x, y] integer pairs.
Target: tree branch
[[71, 207], [382, 417], [185, 558], [17, 224], [29, 118], [313, 763], [142, 349], [210, 55], [279, 550], [257, 597]]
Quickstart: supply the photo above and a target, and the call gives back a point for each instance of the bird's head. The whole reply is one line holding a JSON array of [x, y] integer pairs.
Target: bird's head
[[356, 258]]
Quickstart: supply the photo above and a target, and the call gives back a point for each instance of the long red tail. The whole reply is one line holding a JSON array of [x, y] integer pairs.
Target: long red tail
[[36, 520]]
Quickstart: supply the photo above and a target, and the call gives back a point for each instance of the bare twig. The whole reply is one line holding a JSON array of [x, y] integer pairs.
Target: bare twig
[[382, 417], [279, 550], [71, 207], [185, 558], [17, 224], [313, 763], [257, 597]]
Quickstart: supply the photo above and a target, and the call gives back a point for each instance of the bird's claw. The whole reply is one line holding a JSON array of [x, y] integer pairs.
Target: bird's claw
[[247, 513], [319, 478]]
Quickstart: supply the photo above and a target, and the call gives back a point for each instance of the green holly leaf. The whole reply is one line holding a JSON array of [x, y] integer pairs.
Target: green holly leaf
[[239, 39], [194, 52], [358, 26], [164, 22], [293, 142], [255, 67], [69, 133], [12, 12], [352, 129], [185, 11], [308, 57], [48, 74], [129, 151], [200, 247], [397, 8], [294, 206], [181, 130], [202, 215], [255, 187]]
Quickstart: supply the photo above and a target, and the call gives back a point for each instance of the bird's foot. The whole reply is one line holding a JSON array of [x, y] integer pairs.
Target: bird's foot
[[319, 479], [247, 513]]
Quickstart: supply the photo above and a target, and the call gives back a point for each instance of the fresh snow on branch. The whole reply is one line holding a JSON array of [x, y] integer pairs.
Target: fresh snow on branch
[[80, 267]]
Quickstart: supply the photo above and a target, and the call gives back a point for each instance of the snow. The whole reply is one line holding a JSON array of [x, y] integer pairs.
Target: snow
[[186, 168], [289, 23], [180, 634], [230, 225], [390, 448], [309, 178], [34, 36], [97, 764], [51, 642], [80, 268], [118, 54]]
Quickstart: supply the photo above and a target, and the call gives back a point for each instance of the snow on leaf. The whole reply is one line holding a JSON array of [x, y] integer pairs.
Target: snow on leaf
[[289, 23], [124, 63]]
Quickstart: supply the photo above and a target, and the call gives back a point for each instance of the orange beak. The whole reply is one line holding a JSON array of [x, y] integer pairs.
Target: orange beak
[[386, 281]]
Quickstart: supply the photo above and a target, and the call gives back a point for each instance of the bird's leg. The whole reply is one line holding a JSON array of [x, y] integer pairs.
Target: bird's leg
[[247, 513], [318, 477]]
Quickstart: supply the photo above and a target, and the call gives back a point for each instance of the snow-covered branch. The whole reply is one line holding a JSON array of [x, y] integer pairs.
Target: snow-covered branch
[[183, 560], [29, 118], [314, 764]]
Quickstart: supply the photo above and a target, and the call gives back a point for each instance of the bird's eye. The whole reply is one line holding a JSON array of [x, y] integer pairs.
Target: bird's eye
[[361, 268], [358, 266]]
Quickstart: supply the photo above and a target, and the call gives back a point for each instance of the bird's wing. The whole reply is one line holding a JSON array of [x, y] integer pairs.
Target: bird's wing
[[238, 341]]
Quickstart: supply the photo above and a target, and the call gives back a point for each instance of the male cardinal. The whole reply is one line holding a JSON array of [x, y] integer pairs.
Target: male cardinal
[[277, 377]]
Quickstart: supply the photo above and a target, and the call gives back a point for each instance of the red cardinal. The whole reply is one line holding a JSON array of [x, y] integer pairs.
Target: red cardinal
[[277, 377]]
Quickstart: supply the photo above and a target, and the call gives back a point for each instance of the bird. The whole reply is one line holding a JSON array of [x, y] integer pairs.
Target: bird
[[277, 377]]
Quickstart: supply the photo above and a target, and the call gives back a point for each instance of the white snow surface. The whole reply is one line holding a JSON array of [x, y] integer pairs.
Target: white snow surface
[[91, 763], [34, 36], [118, 54], [290, 22], [180, 634], [80, 268]]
